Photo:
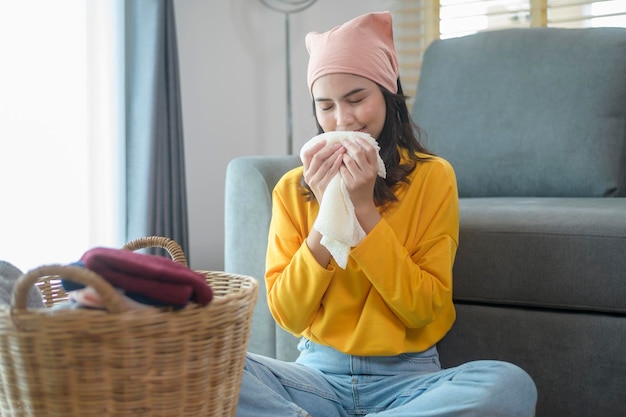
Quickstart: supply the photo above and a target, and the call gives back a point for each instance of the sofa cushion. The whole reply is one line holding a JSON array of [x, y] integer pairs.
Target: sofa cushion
[[528, 123], [563, 253]]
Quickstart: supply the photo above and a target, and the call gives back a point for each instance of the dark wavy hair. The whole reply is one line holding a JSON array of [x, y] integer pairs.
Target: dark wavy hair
[[399, 132]]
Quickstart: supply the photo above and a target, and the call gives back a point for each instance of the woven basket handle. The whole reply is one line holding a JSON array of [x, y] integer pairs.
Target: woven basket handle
[[111, 298], [166, 243]]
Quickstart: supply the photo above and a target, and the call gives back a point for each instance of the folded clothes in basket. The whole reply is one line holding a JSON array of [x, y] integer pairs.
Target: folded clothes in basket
[[147, 279], [87, 297]]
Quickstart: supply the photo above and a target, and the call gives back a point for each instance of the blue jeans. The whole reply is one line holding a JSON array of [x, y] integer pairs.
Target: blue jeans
[[324, 382]]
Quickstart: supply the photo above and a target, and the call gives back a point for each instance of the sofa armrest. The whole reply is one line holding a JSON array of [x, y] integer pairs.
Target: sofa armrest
[[248, 210]]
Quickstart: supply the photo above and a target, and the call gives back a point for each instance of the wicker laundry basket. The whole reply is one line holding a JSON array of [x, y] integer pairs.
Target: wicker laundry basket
[[148, 362]]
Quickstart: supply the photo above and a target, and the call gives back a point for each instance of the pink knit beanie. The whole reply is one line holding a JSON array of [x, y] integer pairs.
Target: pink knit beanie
[[362, 46]]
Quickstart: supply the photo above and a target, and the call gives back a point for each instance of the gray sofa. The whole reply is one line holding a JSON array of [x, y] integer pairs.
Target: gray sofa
[[534, 122]]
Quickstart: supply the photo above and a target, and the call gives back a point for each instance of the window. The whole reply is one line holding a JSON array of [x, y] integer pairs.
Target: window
[[57, 130], [462, 17], [581, 14]]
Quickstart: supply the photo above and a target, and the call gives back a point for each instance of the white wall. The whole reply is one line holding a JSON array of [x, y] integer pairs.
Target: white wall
[[232, 69]]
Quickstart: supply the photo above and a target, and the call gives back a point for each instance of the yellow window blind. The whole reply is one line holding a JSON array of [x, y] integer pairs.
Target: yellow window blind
[[464, 17], [582, 14], [411, 23]]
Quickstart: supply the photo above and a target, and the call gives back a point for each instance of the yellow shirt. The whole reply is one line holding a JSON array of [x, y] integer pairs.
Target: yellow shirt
[[395, 294]]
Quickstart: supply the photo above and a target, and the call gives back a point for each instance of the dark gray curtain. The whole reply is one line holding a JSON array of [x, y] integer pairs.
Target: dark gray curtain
[[156, 198]]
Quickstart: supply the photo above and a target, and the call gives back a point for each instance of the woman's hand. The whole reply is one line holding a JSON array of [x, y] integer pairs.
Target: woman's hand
[[359, 172], [321, 163]]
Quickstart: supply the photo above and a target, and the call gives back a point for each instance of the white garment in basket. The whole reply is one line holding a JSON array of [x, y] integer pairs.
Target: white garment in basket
[[336, 220]]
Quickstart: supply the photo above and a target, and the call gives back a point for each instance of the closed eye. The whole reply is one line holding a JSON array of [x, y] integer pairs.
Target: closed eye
[[356, 101], [353, 97]]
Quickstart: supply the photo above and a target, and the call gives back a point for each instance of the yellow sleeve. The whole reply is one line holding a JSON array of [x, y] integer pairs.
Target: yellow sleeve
[[408, 256], [295, 281]]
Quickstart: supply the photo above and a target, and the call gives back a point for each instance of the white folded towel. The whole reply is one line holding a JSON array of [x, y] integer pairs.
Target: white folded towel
[[336, 220]]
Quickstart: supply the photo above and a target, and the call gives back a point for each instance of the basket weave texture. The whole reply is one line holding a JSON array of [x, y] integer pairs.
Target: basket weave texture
[[148, 362]]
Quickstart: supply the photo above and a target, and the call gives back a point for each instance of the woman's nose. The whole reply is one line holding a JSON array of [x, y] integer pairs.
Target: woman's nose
[[344, 118]]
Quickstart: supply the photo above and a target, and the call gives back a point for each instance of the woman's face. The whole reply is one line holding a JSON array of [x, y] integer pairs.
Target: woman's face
[[347, 102]]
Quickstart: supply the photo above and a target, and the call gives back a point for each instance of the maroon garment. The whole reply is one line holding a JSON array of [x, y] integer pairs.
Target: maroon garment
[[155, 277]]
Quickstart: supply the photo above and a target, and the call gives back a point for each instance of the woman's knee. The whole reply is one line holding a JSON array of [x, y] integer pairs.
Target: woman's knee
[[511, 390]]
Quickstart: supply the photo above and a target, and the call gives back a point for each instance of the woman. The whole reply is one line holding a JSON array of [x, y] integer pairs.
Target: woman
[[369, 330]]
